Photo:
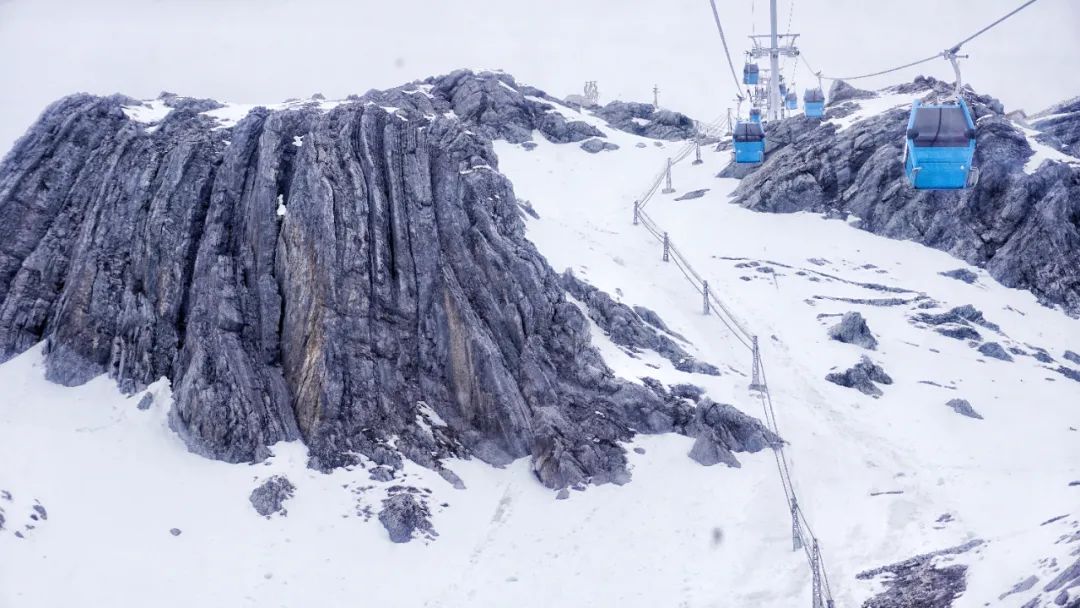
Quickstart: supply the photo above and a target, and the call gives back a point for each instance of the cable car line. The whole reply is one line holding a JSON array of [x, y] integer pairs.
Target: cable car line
[[723, 39], [950, 51]]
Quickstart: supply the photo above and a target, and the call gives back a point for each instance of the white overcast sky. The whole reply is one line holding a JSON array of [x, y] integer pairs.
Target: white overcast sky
[[268, 50]]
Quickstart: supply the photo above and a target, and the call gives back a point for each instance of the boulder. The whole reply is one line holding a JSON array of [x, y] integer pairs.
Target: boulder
[[962, 407], [864, 377], [269, 498], [853, 329], [402, 515], [995, 351]]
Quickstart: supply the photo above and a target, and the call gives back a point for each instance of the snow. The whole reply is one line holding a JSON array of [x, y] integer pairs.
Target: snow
[[867, 108], [298, 141], [1043, 152], [281, 205], [116, 479], [148, 112], [644, 122], [843, 445], [231, 113]]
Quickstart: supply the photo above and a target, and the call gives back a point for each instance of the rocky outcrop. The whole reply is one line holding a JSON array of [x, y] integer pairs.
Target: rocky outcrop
[[963, 407], [1060, 126], [864, 377], [852, 329], [403, 515], [594, 145], [270, 496], [631, 329], [646, 120], [995, 351], [961, 274], [720, 428], [1021, 227], [920, 581], [334, 275]]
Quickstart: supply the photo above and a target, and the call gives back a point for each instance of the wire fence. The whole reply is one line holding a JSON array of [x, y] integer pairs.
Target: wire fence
[[803, 536]]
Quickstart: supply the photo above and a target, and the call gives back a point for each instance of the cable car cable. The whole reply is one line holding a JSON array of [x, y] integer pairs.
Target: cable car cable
[[723, 39], [951, 50]]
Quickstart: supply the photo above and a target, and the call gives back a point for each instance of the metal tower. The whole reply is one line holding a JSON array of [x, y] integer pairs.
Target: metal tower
[[774, 51]]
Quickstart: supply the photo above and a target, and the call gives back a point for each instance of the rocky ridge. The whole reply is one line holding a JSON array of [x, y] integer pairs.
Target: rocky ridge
[[325, 272], [1024, 228]]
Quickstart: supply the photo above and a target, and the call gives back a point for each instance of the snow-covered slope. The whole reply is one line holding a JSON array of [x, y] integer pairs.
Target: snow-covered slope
[[882, 479]]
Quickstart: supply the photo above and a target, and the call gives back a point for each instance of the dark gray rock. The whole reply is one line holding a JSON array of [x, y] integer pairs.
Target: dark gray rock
[[852, 329], [496, 106], [1068, 372], [721, 428], [381, 473], [402, 515], [562, 494], [841, 91], [692, 195], [687, 391], [1041, 355], [1023, 585], [626, 328], [961, 274], [1060, 125], [963, 407], [994, 350], [960, 315], [452, 478], [864, 377], [401, 274], [958, 332], [595, 145], [919, 582], [1071, 356], [146, 401], [175, 531], [1066, 578], [270, 496], [645, 120], [1015, 225]]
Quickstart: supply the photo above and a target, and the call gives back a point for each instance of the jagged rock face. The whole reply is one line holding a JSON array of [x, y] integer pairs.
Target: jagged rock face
[[921, 580], [1060, 125], [1024, 229], [317, 275], [632, 329], [646, 120]]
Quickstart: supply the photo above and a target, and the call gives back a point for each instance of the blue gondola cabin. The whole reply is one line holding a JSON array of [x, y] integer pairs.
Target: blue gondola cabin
[[814, 103], [940, 146], [750, 74], [749, 142], [755, 115], [791, 101]]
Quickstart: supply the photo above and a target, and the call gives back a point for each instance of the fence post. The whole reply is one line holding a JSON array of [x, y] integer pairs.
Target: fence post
[[796, 537], [755, 373], [815, 564], [705, 292], [667, 247], [637, 205], [667, 176]]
